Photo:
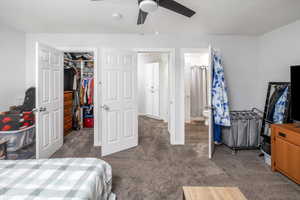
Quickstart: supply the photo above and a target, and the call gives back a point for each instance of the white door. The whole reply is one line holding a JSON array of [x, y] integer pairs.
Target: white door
[[148, 89], [155, 90], [152, 90], [187, 84], [211, 144], [119, 100], [172, 86], [49, 100]]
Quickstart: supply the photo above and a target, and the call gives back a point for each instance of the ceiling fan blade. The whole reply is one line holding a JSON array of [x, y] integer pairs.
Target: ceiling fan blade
[[176, 7], [142, 17]]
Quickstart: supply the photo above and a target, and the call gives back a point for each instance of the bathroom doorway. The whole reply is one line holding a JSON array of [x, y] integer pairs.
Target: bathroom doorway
[[196, 77]]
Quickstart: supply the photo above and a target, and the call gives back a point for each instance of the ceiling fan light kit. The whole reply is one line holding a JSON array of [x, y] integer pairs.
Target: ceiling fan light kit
[[148, 6]]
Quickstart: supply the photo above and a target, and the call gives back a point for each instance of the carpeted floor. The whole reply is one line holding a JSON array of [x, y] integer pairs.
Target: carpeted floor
[[155, 170]]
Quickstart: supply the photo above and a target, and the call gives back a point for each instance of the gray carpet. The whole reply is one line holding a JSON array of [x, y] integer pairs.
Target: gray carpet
[[155, 170]]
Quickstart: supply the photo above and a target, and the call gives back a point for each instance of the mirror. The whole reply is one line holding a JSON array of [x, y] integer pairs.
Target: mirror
[[274, 93]]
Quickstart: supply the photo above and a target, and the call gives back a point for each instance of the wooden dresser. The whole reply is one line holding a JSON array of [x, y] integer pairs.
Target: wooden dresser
[[68, 102], [286, 150]]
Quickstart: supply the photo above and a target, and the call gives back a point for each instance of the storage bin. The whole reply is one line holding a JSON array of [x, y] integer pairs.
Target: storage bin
[[244, 131], [88, 123], [18, 139]]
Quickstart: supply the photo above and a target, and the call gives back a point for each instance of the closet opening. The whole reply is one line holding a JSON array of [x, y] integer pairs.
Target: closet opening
[[79, 94], [153, 89], [197, 121]]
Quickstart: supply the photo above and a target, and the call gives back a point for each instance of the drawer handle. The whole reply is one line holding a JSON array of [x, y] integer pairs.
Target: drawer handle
[[282, 134]]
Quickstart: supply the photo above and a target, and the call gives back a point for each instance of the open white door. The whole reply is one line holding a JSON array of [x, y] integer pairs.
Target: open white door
[[211, 144], [49, 100], [171, 118], [119, 100]]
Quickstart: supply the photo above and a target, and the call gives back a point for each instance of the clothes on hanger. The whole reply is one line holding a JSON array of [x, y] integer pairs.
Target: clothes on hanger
[[87, 87], [220, 103]]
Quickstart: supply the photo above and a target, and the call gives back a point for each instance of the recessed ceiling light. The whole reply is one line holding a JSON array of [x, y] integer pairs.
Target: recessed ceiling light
[[117, 16], [156, 33]]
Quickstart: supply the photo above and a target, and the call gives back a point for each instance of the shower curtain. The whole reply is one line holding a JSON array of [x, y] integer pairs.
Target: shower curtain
[[198, 90]]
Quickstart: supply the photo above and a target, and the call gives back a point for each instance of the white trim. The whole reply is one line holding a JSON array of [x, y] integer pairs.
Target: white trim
[[182, 82], [97, 92], [172, 86]]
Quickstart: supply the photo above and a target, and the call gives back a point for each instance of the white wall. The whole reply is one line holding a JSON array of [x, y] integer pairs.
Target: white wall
[[279, 50], [162, 59], [240, 55], [12, 75]]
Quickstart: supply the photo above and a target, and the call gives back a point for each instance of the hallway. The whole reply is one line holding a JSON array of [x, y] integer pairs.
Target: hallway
[[155, 170]]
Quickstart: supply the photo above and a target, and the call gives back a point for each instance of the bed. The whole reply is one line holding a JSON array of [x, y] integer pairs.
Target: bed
[[59, 179]]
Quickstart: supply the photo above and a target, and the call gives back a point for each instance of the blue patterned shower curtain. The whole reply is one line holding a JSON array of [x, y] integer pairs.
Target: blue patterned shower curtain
[[220, 101]]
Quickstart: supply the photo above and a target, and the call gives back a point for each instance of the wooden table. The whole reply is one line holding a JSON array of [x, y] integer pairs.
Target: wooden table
[[212, 193]]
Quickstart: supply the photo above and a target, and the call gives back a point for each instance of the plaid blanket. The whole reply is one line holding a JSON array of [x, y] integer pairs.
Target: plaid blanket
[[59, 179]]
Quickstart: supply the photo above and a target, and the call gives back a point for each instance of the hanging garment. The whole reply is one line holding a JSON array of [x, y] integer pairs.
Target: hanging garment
[[75, 110], [198, 91], [69, 74], [220, 104], [219, 94], [91, 92], [87, 88], [75, 82], [280, 107]]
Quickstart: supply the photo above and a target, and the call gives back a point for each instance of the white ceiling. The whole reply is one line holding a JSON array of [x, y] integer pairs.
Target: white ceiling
[[249, 17]]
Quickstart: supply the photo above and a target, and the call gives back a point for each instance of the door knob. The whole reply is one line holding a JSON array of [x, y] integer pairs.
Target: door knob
[[42, 109], [105, 107]]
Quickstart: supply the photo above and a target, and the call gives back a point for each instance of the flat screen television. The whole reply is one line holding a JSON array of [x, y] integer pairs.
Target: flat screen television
[[295, 92]]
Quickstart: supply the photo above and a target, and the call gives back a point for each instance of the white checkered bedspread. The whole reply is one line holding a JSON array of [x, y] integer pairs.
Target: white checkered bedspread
[[56, 179]]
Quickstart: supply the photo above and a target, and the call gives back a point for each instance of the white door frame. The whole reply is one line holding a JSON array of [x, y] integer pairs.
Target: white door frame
[[172, 70], [182, 79], [97, 92]]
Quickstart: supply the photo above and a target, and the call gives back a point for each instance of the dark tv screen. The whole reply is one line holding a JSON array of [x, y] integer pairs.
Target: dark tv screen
[[295, 92]]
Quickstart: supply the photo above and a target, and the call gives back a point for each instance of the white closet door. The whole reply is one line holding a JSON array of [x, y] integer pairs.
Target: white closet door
[[152, 90], [119, 100], [49, 100], [155, 90], [148, 89]]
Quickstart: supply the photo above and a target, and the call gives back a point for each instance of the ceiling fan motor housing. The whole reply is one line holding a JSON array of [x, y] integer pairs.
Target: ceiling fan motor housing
[[148, 5]]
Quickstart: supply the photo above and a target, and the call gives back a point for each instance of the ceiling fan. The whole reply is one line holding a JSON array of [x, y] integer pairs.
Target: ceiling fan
[[148, 6]]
